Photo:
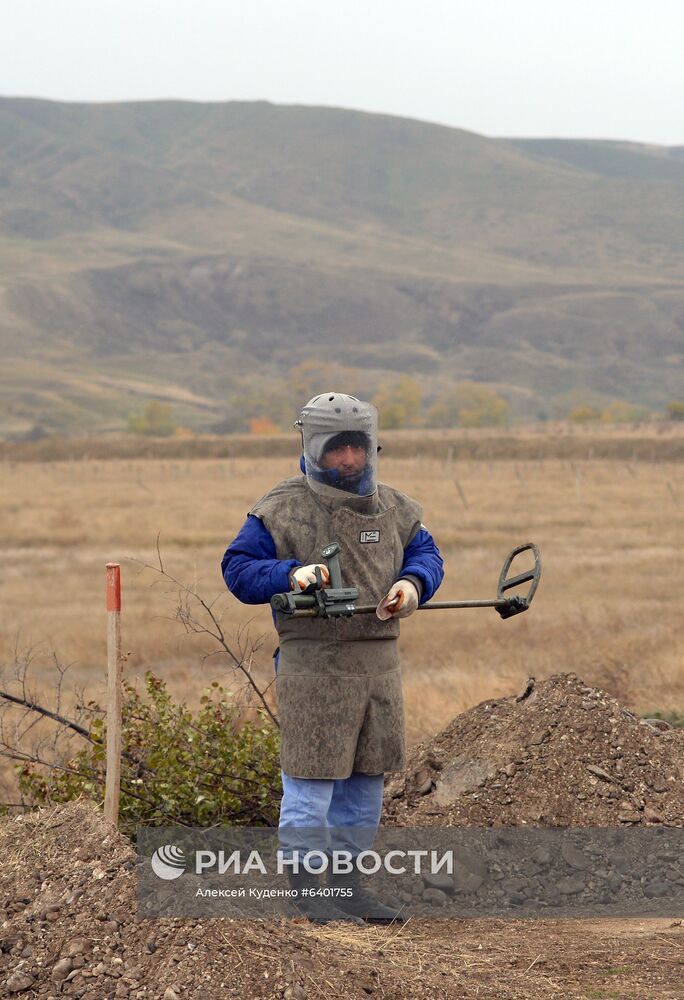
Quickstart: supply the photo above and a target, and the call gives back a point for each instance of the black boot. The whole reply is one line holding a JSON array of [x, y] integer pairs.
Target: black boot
[[360, 902], [319, 909]]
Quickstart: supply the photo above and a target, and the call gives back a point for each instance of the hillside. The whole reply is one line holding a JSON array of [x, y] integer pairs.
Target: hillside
[[197, 252]]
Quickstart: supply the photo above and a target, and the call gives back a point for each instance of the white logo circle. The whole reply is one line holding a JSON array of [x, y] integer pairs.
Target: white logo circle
[[168, 862]]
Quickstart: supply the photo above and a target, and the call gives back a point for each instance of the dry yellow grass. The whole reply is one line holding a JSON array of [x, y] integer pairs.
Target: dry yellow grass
[[609, 606]]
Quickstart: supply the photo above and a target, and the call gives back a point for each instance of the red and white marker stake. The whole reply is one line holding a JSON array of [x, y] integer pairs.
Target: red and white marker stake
[[114, 694]]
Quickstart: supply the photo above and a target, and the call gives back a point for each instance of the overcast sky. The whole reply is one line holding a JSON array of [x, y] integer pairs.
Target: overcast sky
[[587, 68]]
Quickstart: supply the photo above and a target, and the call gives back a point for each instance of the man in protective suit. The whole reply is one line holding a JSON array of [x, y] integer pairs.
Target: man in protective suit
[[338, 680]]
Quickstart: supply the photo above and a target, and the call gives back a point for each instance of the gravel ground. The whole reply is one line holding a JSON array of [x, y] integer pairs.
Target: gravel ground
[[563, 754]]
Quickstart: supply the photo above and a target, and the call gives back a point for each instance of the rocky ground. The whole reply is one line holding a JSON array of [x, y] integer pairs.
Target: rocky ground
[[562, 754]]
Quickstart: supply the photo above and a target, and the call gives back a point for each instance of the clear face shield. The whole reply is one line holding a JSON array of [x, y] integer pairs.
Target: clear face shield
[[340, 442]]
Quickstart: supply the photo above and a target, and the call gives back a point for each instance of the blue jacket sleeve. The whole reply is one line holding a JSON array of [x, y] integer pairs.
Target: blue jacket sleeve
[[250, 567], [423, 561]]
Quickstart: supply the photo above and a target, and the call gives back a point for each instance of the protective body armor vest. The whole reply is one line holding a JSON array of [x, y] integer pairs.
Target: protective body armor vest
[[339, 691]]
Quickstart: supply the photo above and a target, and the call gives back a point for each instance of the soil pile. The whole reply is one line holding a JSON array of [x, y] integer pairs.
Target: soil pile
[[68, 927], [559, 754], [562, 754]]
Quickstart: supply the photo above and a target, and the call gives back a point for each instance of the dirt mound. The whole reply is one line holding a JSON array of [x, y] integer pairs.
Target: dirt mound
[[558, 754], [68, 927]]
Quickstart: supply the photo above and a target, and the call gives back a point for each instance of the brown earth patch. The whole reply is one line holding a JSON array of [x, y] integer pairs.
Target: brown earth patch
[[69, 926], [562, 754]]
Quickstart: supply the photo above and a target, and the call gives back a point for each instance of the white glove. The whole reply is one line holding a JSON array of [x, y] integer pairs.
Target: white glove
[[304, 575], [400, 602]]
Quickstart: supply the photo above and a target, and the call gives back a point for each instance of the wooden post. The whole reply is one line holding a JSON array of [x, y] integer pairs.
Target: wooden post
[[114, 694]]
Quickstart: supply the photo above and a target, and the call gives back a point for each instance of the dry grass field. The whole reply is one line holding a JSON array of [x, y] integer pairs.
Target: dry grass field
[[609, 606]]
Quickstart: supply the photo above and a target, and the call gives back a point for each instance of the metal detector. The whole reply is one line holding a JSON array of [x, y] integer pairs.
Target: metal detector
[[337, 601]]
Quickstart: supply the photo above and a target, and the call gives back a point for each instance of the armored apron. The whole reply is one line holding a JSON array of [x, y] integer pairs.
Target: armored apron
[[340, 701]]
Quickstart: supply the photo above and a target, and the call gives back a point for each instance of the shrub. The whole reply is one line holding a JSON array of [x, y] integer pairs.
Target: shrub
[[215, 766], [398, 403], [583, 414], [621, 412], [675, 410], [263, 426], [468, 404], [155, 420]]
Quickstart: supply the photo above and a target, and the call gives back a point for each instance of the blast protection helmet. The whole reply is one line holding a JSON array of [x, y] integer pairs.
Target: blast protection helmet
[[340, 444]]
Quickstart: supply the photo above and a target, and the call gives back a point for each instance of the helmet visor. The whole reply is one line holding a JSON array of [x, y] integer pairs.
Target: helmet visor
[[340, 445]]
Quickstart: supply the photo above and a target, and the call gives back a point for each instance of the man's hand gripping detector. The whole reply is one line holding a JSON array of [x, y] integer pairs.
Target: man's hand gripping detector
[[318, 601]]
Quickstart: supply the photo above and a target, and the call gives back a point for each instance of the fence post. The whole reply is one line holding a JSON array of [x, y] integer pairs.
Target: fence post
[[114, 694]]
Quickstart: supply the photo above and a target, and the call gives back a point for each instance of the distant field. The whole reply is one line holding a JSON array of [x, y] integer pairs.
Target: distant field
[[609, 606], [655, 441]]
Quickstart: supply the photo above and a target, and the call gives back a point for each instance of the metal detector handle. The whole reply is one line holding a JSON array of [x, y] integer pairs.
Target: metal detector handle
[[509, 606], [331, 554]]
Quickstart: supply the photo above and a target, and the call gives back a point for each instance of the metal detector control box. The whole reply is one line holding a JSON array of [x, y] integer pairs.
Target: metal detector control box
[[334, 601]]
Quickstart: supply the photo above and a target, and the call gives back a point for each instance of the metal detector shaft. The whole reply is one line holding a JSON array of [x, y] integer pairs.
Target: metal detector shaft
[[507, 607], [369, 609], [366, 609]]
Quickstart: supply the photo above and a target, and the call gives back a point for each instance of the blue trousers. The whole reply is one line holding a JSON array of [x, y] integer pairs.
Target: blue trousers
[[317, 814]]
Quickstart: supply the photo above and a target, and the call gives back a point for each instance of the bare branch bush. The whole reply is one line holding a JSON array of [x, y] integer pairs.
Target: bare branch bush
[[24, 734], [202, 617], [55, 739]]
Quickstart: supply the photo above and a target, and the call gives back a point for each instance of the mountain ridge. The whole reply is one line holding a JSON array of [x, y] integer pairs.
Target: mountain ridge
[[217, 246]]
